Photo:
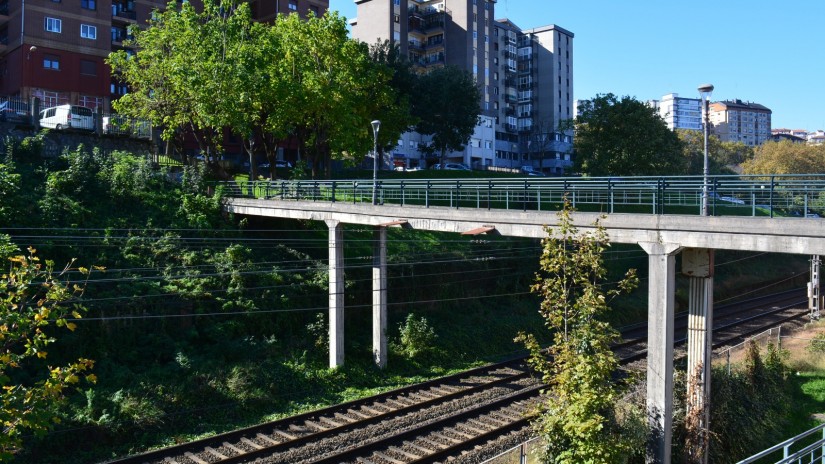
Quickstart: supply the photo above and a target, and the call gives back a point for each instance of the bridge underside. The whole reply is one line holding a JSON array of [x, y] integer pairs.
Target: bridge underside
[[662, 237]]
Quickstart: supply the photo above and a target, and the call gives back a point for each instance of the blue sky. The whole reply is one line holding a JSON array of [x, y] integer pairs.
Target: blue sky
[[768, 52]]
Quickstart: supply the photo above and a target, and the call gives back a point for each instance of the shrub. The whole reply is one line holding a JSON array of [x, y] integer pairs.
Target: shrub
[[417, 337]]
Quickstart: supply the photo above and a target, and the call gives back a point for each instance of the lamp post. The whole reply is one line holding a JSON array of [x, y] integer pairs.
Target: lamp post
[[704, 92], [375, 126]]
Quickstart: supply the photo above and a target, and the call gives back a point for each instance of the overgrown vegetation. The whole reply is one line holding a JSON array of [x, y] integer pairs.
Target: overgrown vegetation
[[579, 417], [760, 402], [204, 323]]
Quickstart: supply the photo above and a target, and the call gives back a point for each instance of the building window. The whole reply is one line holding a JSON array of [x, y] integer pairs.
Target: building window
[[88, 68], [53, 25], [88, 4], [51, 62], [314, 9], [293, 5], [88, 32]]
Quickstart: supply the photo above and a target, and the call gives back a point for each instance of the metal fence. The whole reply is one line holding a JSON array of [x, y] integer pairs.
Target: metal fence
[[784, 195], [525, 453], [19, 110]]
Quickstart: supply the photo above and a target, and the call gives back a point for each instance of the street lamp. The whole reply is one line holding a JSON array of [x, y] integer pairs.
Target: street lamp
[[704, 93], [375, 126]]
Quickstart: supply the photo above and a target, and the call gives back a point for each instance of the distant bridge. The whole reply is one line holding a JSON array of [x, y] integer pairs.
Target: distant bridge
[[770, 214]]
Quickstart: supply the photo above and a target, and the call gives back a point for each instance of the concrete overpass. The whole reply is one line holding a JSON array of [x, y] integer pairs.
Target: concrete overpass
[[661, 236]]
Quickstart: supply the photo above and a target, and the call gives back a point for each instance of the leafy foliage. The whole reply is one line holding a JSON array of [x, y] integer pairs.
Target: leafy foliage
[[722, 156], [817, 345], [447, 107], [748, 406], [578, 417], [32, 302], [625, 137], [786, 157], [417, 336]]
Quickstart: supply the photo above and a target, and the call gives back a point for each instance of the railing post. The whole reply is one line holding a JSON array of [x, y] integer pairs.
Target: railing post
[[427, 195], [609, 196], [354, 189], [489, 193], [283, 187], [315, 191], [525, 196], [402, 193], [538, 198], [381, 191], [770, 202], [753, 202], [333, 191], [457, 193], [805, 203], [478, 197]]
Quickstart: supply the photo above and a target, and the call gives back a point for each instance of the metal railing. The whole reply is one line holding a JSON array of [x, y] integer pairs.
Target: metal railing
[[806, 453], [785, 195], [525, 453]]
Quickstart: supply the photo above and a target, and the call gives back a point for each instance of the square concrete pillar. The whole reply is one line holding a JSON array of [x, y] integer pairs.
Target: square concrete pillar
[[336, 293], [379, 297], [697, 264], [660, 311]]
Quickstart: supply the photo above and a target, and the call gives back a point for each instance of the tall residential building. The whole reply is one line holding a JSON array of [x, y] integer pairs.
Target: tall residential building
[[679, 112], [738, 121], [525, 76], [55, 49]]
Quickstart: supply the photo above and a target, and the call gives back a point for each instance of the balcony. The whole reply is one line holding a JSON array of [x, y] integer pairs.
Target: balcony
[[124, 13]]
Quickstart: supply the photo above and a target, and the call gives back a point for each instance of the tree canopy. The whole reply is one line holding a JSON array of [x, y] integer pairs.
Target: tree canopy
[[625, 137], [723, 157], [786, 157], [447, 107], [208, 71]]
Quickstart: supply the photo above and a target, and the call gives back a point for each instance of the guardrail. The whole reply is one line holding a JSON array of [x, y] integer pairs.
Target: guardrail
[[785, 195], [808, 452]]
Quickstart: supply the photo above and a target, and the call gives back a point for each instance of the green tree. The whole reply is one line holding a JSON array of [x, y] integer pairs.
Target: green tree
[[447, 108], [786, 157], [395, 115], [333, 89], [723, 157], [625, 137], [579, 418], [185, 74], [32, 299]]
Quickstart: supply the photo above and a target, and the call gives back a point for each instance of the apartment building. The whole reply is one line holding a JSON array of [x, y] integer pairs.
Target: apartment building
[[55, 49], [679, 112], [525, 76], [739, 121]]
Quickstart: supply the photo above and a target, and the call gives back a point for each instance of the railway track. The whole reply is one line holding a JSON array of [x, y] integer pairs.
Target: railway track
[[439, 419]]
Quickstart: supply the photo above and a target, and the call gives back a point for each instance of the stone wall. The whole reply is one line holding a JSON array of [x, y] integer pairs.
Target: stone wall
[[57, 141]]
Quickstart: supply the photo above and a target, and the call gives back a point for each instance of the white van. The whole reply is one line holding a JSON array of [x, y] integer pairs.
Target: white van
[[67, 117]]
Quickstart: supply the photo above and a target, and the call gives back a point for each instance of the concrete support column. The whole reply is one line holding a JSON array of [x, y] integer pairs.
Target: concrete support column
[[379, 297], [697, 264], [660, 310], [336, 293]]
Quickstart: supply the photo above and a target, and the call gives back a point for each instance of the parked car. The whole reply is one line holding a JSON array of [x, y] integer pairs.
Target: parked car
[[455, 167], [67, 117]]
